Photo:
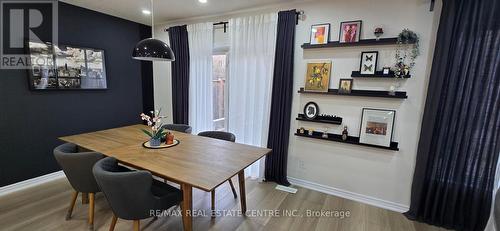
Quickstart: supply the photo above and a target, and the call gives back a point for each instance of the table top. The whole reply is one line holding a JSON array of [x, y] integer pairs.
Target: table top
[[201, 162]]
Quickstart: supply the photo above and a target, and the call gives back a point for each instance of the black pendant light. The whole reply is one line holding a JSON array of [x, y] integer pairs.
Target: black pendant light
[[152, 49]]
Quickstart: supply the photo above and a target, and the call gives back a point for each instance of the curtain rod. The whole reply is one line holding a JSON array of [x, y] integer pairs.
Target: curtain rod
[[298, 14]]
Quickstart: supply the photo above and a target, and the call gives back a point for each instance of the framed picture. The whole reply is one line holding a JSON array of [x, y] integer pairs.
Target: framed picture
[[368, 63], [345, 86], [386, 70], [350, 31], [66, 67], [318, 76], [42, 74], [96, 71], [377, 126], [311, 110], [320, 34]]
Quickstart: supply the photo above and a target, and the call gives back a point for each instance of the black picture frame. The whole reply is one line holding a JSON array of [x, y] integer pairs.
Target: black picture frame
[[306, 114], [327, 33], [358, 35], [343, 91], [52, 53], [392, 128], [362, 61]]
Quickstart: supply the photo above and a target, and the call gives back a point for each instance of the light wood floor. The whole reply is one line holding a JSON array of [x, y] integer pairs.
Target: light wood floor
[[44, 208]]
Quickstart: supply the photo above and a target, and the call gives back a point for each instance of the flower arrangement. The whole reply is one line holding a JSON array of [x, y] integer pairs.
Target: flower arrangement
[[406, 52], [378, 32], [157, 132]]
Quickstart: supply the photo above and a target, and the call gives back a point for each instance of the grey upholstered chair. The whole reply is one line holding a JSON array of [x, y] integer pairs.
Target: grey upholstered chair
[[178, 127], [78, 169], [132, 195], [227, 136]]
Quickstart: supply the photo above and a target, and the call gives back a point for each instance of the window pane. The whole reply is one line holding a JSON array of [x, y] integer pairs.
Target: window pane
[[219, 80]]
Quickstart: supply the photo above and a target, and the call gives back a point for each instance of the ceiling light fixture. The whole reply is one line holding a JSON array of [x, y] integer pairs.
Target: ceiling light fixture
[[146, 12], [152, 49], [202, 1]]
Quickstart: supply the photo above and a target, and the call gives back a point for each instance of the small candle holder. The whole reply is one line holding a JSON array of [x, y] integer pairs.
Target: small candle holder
[[378, 32], [324, 135]]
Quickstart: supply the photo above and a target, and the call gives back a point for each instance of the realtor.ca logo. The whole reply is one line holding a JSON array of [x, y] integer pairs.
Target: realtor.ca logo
[[24, 23]]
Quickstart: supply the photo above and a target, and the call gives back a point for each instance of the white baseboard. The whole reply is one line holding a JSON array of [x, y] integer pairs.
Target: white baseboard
[[400, 208], [31, 183]]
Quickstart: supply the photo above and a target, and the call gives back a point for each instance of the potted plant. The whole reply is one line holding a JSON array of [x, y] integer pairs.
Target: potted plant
[[157, 131], [406, 52]]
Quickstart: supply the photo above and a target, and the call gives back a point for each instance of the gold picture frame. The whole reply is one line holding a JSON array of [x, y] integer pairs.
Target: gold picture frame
[[318, 76]]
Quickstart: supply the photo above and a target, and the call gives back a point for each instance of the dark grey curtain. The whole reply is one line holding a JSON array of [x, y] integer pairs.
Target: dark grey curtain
[[460, 137], [147, 77], [281, 104], [180, 74]]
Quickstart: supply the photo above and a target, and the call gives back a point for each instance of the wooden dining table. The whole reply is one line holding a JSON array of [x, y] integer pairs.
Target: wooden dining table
[[197, 161]]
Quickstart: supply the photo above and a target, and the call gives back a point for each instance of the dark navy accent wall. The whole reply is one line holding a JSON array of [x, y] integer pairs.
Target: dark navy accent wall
[[30, 122]]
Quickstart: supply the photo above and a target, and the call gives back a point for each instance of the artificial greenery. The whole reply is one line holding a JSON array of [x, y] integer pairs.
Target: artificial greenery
[[155, 135], [406, 52], [154, 121]]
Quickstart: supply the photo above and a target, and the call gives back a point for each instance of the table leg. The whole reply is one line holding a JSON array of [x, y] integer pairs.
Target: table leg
[[187, 207], [243, 197]]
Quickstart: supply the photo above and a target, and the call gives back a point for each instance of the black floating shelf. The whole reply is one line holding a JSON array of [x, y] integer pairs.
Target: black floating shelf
[[362, 42], [338, 120], [350, 140], [364, 93], [378, 74]]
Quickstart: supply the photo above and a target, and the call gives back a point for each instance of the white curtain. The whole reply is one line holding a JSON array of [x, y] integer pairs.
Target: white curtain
[[490, 226], [251, 66], [200, 37]]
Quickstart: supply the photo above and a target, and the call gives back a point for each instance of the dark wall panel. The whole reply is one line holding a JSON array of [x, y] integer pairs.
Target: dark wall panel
[[30, 122]]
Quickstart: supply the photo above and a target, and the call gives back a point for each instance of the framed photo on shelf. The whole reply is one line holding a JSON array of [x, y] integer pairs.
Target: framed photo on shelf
[[368, 63], [377, 126], [345, 86], [386, 70], [350, 31], [320, 34], [318, 76], [311, 110]]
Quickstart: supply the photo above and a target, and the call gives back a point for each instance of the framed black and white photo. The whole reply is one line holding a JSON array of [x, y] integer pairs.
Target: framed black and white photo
[[66, 67], [368, 64], [320, 34], [377, 126], [311, 110]]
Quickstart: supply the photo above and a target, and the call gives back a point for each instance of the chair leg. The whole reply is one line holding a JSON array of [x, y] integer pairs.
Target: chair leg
[[72, 205], [91, 210], [85, 198], [232, 188], [113, 223], [137, 225], [213, 203]]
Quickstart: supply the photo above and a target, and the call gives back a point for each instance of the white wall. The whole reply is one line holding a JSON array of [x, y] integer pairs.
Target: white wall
[[376, 176], [162, 80]]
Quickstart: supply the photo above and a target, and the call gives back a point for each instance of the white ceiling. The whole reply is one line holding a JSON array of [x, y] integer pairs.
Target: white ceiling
[[169, 10]]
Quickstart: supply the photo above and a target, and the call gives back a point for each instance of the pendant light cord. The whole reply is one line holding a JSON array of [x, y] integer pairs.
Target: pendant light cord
[[152, 20]]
